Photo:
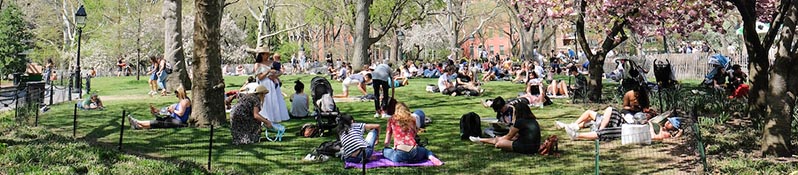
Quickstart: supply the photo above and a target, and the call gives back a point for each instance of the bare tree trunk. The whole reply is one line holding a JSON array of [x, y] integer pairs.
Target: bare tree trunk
[[361, 33], [395, 49], [264, 22], [454, 25], [781, 96], [208, 87], [173, 45]]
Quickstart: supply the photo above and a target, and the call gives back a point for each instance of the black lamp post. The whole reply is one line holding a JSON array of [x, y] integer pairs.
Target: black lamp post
[[401, 37], [80, 21]]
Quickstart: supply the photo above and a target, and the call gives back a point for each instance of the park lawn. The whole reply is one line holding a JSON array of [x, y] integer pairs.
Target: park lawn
[[461, 157]]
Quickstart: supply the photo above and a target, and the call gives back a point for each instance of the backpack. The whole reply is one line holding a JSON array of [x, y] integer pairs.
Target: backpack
[[550, 147], [168, 68], [309, 130], [470, 126], [326, 103], [329, 148]]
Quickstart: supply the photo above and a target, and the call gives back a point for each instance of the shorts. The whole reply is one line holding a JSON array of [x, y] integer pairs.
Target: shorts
[[153, 76], [349, 82], [616, 120], [525, 148]]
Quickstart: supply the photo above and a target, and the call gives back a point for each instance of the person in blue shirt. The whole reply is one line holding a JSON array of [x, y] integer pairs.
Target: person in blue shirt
[[173, 116]]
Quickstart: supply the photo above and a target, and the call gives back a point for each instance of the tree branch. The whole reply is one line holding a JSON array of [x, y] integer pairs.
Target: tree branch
[[230, 3], [479, 27], [281, 31], [778, 19], [252, 11]]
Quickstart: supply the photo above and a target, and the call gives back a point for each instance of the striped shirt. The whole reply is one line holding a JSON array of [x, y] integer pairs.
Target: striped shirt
[[353, 140]]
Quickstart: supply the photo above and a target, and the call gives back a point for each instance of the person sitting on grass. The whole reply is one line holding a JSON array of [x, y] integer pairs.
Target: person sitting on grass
[[524, 135], [561, 88], [91, 103], [245, 119], [231, 95], [299, 101], [358, 80], [636, 104], [607, 126], [353, 145], [174, 116], [402, 130]]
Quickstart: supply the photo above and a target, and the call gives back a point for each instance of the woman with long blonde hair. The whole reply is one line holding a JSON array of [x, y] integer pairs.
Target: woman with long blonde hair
[[402, 129]]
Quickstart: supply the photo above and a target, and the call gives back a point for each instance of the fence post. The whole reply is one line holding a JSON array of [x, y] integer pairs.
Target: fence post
[[88, 84], [16, 104], [36, 123], [701, 147], [122, 129], [69, 89], [210, 149], [51, 94], [597, 157], [75, 121]]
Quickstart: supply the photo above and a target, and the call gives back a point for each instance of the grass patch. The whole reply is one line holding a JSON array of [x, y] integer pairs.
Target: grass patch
[[461, 157]]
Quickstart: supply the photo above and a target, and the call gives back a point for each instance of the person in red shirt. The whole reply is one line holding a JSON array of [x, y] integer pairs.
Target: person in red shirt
[[402, 130]]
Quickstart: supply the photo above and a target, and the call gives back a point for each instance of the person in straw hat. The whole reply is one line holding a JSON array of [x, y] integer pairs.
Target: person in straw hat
[[245, 120], [273, 108], [173, 116]]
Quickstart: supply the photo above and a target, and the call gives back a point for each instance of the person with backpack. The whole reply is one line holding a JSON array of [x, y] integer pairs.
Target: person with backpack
[[403, 131], [162, 74], [353, 144], [524, 135]]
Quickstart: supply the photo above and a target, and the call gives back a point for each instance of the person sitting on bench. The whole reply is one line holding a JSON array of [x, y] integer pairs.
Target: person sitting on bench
[[173, 116]]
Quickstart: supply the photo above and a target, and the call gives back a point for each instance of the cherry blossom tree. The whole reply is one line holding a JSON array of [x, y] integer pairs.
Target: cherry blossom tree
[[615, 18], [773, 89]]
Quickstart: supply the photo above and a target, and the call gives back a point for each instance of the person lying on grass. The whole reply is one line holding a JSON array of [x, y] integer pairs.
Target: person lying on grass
[[245, 120], [524, 135], [173, 116], [91, 103], [358, 80], [402, 130], [353, 145], [607, 126]]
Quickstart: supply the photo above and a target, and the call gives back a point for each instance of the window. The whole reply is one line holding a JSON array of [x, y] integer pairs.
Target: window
[[490, 49], [501, 49]]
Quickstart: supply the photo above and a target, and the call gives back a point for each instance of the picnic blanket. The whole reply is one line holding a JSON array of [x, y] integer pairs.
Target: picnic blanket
[[385, 162]]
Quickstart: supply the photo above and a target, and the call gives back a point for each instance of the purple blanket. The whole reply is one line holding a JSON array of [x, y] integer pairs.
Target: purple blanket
[[385, 162]]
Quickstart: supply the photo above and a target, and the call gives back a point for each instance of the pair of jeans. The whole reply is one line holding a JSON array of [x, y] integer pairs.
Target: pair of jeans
[[380, 86], [417, 154], [162, 80], [371, 139]]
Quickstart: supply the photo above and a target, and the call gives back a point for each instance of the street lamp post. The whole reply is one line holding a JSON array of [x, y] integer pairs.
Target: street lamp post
[[80, 20], [401, 37]]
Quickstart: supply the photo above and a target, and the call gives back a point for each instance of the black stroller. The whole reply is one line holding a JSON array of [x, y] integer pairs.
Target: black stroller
[[324, 107]]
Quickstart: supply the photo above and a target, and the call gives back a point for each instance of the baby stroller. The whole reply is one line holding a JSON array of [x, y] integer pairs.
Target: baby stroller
[[663, 72], [324, 107], [632, 75]]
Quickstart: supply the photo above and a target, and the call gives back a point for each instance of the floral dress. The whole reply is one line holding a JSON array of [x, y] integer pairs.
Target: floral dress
[[243, 126]]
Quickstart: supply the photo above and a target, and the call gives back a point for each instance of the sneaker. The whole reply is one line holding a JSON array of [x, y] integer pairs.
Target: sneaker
[[474, 139], [377, 115], [309, 157], [386, 116], [134, 124], [454, 94], [571, 133], [560, 125]]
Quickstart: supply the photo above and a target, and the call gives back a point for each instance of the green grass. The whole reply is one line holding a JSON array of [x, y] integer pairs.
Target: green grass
[[101, 128]]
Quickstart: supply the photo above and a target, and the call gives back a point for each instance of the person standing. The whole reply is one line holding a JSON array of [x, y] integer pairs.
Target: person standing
[[162, 75], [266, 77], [380, 77]]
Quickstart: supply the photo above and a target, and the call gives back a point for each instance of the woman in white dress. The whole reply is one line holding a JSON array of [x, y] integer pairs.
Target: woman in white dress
[[274, 108]]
